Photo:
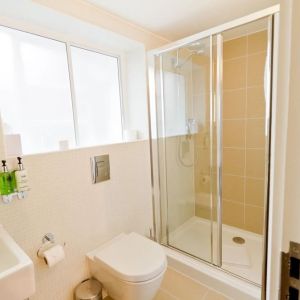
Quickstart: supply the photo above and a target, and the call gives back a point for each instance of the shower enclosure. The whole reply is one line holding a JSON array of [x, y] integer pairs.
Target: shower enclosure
[[210, 113]]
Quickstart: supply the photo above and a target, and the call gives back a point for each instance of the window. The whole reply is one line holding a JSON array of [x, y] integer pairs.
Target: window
[[35, 93], [97, 94], [35, 96]]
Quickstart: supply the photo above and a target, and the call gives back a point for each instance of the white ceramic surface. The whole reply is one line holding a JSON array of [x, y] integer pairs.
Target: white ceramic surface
[[113, 274], [17, 280], [132, 257]]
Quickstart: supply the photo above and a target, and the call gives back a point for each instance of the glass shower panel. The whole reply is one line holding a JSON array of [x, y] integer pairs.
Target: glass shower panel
[[212, 120], [184, 126], [246, 82]]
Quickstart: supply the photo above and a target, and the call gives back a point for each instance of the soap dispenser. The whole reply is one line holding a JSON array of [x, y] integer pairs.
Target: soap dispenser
[[21, 177], [6, 186]]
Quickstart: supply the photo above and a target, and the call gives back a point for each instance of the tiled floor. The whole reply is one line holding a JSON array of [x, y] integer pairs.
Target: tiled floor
[[176, 286]]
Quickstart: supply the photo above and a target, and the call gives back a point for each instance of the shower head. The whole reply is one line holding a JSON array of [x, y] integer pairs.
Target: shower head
[[196, 47], [194, 51], [198, 51]]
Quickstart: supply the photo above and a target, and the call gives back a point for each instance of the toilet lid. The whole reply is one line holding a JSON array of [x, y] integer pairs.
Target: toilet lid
[[132, 257]]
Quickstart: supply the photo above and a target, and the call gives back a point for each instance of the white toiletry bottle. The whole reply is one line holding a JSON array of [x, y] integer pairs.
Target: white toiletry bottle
[[21, 177]]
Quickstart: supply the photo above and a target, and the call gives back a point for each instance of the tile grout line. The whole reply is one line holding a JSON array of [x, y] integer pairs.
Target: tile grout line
[[245, 148], [243, 35], [240, 119], [247, 54], [243, 88], [241, 203], [242, 176]]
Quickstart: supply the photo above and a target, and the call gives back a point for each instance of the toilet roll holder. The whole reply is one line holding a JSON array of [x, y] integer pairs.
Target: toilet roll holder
[[48, 241]]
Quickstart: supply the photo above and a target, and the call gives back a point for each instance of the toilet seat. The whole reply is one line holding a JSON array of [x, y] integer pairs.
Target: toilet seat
[[132, 258]]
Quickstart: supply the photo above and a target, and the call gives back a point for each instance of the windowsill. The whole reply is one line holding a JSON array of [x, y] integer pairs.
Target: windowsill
[[80, 148]]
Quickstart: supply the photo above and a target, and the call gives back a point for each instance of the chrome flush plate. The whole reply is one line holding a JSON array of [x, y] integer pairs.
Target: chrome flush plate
[[100, 168]]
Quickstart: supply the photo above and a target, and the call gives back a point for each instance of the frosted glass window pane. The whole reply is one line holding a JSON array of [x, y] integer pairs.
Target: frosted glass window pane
[[97, 93], [35, 98]]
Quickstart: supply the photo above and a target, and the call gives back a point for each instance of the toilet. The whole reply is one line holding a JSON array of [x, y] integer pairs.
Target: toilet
[[130, 267]]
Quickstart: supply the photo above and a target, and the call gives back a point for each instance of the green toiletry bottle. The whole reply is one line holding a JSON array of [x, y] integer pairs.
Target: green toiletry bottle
[[6, 185]]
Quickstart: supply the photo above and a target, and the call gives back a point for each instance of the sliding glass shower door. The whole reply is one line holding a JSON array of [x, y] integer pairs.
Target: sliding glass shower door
[[211, 146], [186, 125]]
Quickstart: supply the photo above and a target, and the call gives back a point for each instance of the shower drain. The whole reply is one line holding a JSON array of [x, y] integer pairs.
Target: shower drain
[[238, 240]]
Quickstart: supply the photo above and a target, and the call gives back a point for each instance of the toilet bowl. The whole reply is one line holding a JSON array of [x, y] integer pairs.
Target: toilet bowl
[[130, 267]]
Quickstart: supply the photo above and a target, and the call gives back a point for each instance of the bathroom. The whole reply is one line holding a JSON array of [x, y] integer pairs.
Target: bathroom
[[193, 148]]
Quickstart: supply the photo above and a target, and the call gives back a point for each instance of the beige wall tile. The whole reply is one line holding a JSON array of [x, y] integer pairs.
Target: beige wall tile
[[257, 42], [203, 207], [235, 48], [233, 213], [202, 183], [234, 133], [202, 138], [255, 163], [243, 127], [235, 73], [254, 219], [255, 69], [255, 192], [200, 80], [255, 133], [255, 92], [201, 105], [249, 106], [198, 138], [203, 160], [255, 102], [233, 188], [233, 161], [201, 60], [182, 287], [234, 104], [202, 212]]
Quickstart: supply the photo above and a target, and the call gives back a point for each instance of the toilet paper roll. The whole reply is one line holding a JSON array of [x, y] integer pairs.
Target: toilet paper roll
[[54, 255]]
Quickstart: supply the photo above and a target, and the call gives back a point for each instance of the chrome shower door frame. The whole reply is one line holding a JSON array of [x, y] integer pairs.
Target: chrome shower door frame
[[216, 117], [219, 100]]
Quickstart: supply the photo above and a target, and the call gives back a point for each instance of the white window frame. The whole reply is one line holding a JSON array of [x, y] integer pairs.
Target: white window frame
[[72, 86], [82, 44]]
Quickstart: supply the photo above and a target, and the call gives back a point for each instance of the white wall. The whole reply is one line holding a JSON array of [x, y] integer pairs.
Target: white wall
[[136, 93], [63, 201], [285, 221], [33, 17], [93, 14], [291, 229], [29, 16]]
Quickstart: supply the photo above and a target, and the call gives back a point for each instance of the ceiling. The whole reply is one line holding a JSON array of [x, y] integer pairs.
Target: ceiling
[[175, 19]]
